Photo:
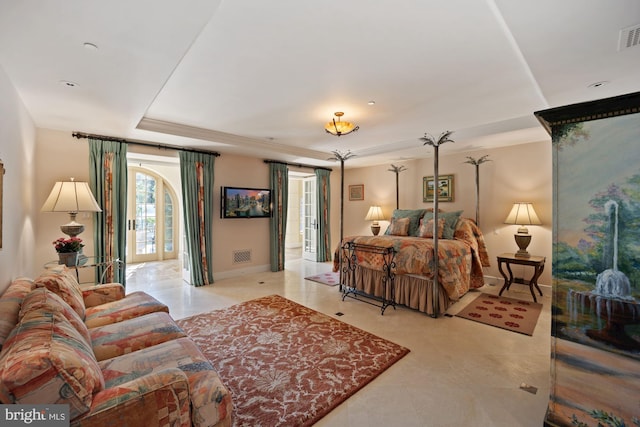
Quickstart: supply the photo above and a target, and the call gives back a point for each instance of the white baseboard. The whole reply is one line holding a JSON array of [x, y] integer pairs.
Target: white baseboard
[[241, 272], [499, 281]]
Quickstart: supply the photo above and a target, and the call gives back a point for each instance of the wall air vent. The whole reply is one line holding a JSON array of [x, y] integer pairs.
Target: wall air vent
[[629, 37], [242, 256]]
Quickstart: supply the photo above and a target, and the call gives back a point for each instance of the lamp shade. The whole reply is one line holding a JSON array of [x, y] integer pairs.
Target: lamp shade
[[374, 214], [523, 213], [71, 196]]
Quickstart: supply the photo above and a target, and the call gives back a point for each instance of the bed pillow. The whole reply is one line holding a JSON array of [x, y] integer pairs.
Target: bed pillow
[[450, 222], [398, 227], [426, 229], [414, 216]]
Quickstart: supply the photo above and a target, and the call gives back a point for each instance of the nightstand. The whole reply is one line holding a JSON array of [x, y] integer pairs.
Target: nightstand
[[537, 262]]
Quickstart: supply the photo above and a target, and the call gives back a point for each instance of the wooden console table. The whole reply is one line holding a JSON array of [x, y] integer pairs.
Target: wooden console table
[[348, 274], [537, 262]]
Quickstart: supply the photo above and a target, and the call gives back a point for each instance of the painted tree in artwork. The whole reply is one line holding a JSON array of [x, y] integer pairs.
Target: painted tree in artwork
[[589, 257], [569, 135]]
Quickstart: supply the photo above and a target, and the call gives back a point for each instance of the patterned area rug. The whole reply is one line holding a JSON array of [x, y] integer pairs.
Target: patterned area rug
[[502, 312], [286, 364], [330, 278]]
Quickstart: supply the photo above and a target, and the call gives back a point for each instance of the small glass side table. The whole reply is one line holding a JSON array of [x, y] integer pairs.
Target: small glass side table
[[93, 262]]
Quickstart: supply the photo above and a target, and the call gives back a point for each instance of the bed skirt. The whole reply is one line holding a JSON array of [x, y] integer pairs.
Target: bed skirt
[[412, 291]]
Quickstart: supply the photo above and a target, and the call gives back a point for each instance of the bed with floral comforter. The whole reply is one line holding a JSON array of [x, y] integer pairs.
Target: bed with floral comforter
[[460, 266]]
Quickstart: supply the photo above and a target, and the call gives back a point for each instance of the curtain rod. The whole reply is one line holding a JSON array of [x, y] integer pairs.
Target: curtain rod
[[300, 165], [81, 135]]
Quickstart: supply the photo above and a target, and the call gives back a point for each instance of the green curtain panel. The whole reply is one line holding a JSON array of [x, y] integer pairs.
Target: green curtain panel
[[196, 173], [323, 191], [108, 182], [279, 183]]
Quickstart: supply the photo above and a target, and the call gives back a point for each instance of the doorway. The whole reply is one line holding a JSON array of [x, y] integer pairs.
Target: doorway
[[152, 217], [302, 223]]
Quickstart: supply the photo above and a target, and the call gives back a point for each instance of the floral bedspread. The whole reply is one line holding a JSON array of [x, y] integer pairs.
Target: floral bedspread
[[460, 261]]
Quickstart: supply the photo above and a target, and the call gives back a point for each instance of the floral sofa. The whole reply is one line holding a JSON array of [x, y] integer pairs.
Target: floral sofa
[[115, 359]]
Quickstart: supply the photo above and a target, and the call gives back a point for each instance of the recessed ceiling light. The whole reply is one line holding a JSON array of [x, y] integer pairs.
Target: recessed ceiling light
[[90, 46], [371, 102], [67, 83], [598, 84]]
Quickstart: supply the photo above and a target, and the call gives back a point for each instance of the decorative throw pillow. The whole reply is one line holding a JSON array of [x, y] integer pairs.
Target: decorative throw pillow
[[414, 216], [398, 227], [44, 299], [65, 285], [10, 305], [426, 229], [450, 222], [45, 360]]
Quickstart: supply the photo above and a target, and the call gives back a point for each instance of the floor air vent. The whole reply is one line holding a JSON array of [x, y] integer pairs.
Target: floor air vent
[[629, 37], [242, 256]]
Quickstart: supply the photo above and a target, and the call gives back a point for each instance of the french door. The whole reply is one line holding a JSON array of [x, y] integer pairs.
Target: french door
[[310, 220], [152, 230]]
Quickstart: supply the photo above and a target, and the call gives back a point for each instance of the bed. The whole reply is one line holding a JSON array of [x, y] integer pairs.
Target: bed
[[462, 255]]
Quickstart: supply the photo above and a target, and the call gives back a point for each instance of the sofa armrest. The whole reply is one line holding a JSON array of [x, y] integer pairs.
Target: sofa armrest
[[159, 398], [102, 294]]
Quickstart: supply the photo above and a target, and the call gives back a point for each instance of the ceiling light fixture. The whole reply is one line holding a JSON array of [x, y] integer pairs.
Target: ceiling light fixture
[[338, 127]]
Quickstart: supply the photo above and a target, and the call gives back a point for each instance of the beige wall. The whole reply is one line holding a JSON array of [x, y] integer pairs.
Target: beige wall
[[17, 146], [59, 157], [517, 173]]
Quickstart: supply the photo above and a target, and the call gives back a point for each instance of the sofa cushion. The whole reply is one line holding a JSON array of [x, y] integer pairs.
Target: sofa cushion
[[45, 360], [134, 334], [210, 400], [64, 284], [10, 303], [44, 299], [132, 305]]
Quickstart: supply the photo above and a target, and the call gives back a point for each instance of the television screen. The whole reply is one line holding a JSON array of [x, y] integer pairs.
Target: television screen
[[246, 202]]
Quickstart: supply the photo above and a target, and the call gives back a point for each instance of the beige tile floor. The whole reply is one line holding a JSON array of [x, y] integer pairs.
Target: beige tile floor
[[458, 373]]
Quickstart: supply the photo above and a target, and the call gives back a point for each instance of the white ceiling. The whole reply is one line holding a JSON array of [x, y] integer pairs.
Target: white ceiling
[[261, 78]]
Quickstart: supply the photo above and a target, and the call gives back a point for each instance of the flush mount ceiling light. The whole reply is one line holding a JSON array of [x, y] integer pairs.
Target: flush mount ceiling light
[[338, 127]]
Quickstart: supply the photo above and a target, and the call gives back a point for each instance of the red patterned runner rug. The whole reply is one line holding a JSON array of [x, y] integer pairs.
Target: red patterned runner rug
[[286, 364], [506, 313]]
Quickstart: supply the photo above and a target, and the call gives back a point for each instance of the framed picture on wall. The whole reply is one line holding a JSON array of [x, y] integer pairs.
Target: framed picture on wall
[[356, 192], [445, 188]]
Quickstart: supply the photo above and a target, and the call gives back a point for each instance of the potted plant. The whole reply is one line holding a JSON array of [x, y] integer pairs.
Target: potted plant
[[68, 250]]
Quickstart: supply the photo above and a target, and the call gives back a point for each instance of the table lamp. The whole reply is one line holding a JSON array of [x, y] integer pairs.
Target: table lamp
[[375, 215], [522, 214], [71, 197]]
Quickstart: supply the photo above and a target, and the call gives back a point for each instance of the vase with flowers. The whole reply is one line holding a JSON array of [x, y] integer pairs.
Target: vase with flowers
[[68, 250]]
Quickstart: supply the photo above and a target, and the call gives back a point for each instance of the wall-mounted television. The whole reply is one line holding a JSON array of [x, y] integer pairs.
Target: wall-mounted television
[[240, 202]]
